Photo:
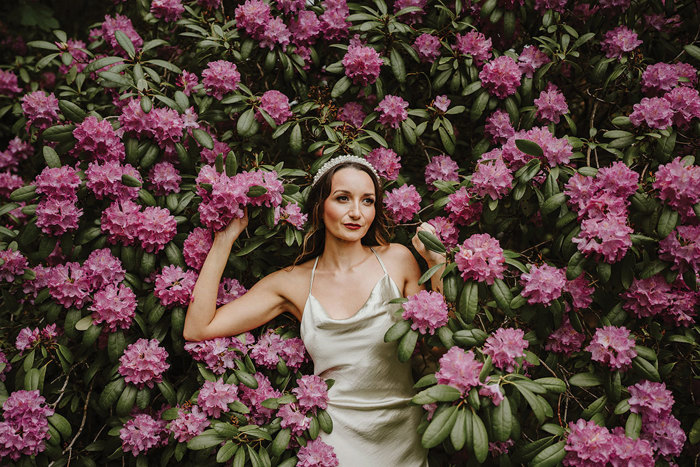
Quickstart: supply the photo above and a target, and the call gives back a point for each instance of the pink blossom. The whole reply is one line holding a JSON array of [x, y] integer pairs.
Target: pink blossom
[[27, 338], [682, 246], [492, 177], [229, 290], [174, 286], [69, 285], [292, 215], [268, 180], [426, 310], [305, 28], [276, 105], [165, 125], [209, 155], [630, 452], [565, 339], [656, 112], [441, 168], [9, 183], [156, 228], [267, 349], [461, 208], [352, 113], [311, 393], [446, 231], [685, 103], [41, 109], [17, 151], [196, 247], [290, 6], [362, 65], [57, 216], [475, 44], [253, 16], [187, 81], [316, 453], [218, 354], [551, 104], [14, 264], [652, 400], [215, 396], [618, 5], [188, 424], [143, 363], [618, 180], [114, 306], [504, 346], [498, 127], [587, 444], [105, 180], [618, 41], [428, 47], [492, 391], [665, 436], [679, 185], [293, 418], [581, 293], [531, 58], [481, 258], [141, 434], [102, 269], [164, 178], [25, 427], [607, 237], [442, 103], [661, 77], [647, 297], [275, 32], [402, 203], [334, 23], [123, 24], [60, 182], [221, 77], [8, 83], [612, 346], [386, 162], [133, 120], [6, 369], [253, 399], [99, 140], [543, 284], [501, 76], [167, 10], [121, 221], [392, 111], [459, 369], [226, 199]]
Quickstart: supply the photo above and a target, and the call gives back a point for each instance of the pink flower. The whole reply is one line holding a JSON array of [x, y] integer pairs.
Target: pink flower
[[352, 113], [167, 10], [105, 180], [386, 162], [218, 354], [188, 424], [114, 306], [461, 208], [267, 349], [682, 246], [290, 6], [442, 103], [493, 391], [612, 346], [276, 105], [501, 77], [316, 453], [665, 435], [607, 237], [551, 104], [196, 247], [121, 221], [293, 418], [565, 339], [253, 16], [253, 399], [275, 32], [174, 286], [60, 182], [14, 264], [392, 111], [209, 155], [25, 428], [504, 346], [685, 103], [56, 216], [557, 5], [587, 444], [8, 83], [498, 127], [402, 203], [27, 338], [543, 284], [9, 183], [214, 397], [292, 214], [660, 77], [311, 393], [581, 293], [446, 231], [648, 297], [475, 44], [226, 198], [69, 285], [656, 112], [229, 290], [492, 177], [459, 369], [679, 185], [618, 41], [362, 64], [334, 24], [98, 139], [187, 81], [441, 168], [141, 434], [221, 77], [305, 28], [268, 180], [164, 178], [156, 228], [143, 363], [123, 24], [41, 109], [426, 310], [165, 126], [652, 400], [481, 258], [17, 151], [530, 59], [6, 369], [428, 47]]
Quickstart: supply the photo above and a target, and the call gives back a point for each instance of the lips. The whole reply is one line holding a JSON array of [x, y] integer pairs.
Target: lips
[[352, 226]]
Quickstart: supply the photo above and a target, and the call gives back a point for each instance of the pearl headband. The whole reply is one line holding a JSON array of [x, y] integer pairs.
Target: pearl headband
[[340, 160]]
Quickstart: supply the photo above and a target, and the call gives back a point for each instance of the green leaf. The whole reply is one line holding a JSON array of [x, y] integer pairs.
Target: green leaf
[[247, 125], [585, 380], [429, 273], [125, 43], [397, 331], [550, 456], [502, 295], [646, 369], [529, 147], [51, 157], [439, 428], [342, 85], [532, 401], [667, 222], [281, 442], [126, 400], [203, 138], [552, 203], [480, 439], [226, 451], [479, 106], [206, 440], [431, 242], [468, 304], [84, 323], [397, 65], [407, 345], [458, 434], [61, 424], [502, 420], [633, 426], [692, 50], [694, 434], [167, 65]]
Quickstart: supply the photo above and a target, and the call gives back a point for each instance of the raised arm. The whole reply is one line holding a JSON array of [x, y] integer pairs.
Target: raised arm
[[430, 257], [259, 305]]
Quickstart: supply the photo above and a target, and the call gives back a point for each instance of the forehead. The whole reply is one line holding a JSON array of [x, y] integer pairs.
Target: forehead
[[351, 179]]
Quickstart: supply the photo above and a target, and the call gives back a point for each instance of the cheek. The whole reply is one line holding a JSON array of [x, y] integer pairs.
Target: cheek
[[330, 211]]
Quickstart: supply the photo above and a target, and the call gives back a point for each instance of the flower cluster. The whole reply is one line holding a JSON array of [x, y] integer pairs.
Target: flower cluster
[[164, 178], [41, 109], [402, 203], [291, 213], [57, 212], [114, 306], [654, 296], [167, 10], [565, 339], [188, 424], [501, 76], [481, 258], [445, 230], [276, 105], [442, 168], [592, 444], [362, 64], [352, 113], [174, 285], [551, 104], [459, 369], [220, 77], [311, 393], [426, 310], [215, 396], [504, 346], [143, 363], [386, 162], [99, 140], [461, 207], [543, 284], [530, 59], [392, 111], [612, 346], [619, 41], [142, 433], [8, 83], [491, 176], [498, 127], [660, 77], [28, 338], [25, 426], [685, 104], [219, 354], [105, 180], [253, 399], [427, 46], [120, 23], [656, 112], [475, 44], [679, 186], [316, 453], [682, 247], [271, 347], [13, 265]]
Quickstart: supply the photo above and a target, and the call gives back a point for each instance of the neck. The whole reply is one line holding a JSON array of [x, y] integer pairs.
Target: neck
[[340, 255]]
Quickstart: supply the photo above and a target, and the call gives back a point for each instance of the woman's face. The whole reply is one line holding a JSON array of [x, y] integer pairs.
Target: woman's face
[[349, 210]]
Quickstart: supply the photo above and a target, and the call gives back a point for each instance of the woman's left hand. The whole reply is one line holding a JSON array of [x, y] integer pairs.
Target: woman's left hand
[[431, 257]]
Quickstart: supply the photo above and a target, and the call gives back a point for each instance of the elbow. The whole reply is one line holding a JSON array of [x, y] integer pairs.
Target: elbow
[[192, 335]]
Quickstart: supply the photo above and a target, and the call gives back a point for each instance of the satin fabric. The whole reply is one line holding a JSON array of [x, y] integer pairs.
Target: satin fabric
[[373, 422]]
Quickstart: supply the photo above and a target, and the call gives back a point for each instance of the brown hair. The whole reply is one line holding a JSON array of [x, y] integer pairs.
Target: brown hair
[[315, 238]]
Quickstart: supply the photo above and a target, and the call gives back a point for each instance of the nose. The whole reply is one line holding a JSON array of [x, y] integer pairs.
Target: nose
[[354, 211]]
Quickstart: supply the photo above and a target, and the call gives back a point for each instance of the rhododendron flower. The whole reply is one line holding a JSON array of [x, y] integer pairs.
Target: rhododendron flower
[[362, 64], [581, 293], [498, 127], [531, 58], [442, 168], [69, 285], [334, 24], [292, 214], [229, 290], [352, 113], [481, 258], [293, 418], [682, 247], [504, 346], [411, 17], [426, 310], [647, 297], [164, 178], [428, 47], [392, 111], [386, 162], [685, 103], [219, 354], [492, 177], [253, 399], [13, 264], [587, 444], [41, 109], [442, 103], [105, 180], [188, 424], [492, 391], [174, 286], [143, 363], [196, 247], [25, 427], [679, 185], [612, 346], [167, 10], [165, 125], [316, 453], [276, 105], [565, 339], [253, 16], [103, 268], [543, 284], [402, 203], [656, 112], [459, 369], [608, 237], [114, 306], [99, 140], [501, 76], [121, 221], [618, 41], [156, 228], [660, 77], [551, 104], [311, 393], [461, 208], [141, 434], [8, 83], [268, 180], [475, 44], [187, 81], [123, 24], [17, 151], [215, 396], [446, 231], [665, 435], [56, 216], [6, 369], [652, 400], [221, 77]]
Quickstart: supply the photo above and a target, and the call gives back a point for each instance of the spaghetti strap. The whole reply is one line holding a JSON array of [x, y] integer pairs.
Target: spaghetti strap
[[381, 263], [313, 272]]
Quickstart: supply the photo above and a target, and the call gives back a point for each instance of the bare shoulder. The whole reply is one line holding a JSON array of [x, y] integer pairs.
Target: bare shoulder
[[292, 282], [395, 253], [401, 264]]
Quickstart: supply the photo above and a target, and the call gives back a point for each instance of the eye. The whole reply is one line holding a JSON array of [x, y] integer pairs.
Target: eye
[[342, 198], [369, 201]]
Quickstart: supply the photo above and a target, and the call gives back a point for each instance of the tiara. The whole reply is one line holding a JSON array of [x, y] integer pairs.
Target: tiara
[[340, 160]]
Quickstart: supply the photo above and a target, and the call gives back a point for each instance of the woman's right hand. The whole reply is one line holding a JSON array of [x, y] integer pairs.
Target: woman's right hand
[[234, 228]]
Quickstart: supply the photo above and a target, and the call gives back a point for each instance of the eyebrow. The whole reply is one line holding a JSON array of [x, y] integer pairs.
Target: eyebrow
[[349, 193]]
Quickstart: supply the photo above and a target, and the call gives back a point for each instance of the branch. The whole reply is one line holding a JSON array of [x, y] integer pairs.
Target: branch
[[82, 422]]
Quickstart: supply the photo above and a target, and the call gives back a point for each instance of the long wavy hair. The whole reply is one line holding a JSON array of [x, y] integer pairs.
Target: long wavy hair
[[315, 238]]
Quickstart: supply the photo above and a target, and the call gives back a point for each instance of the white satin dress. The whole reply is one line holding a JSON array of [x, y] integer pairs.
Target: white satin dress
[[373, 422]]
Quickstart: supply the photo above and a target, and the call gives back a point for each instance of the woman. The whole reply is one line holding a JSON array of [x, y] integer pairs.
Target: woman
[[339, 292]]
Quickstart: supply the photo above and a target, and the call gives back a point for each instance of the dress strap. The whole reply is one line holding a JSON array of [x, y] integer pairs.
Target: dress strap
[[313, 272], [381, 263]]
